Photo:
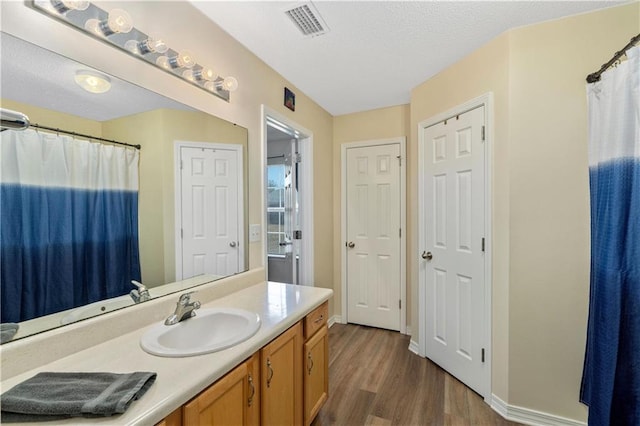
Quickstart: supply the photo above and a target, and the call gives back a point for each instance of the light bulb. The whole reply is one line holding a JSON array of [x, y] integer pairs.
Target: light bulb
[[188, 74], [63, 6], [92, 81], [230, 84], [200, 74], [185, 59], [163, 62], [211, 86], [147, 46], [207, 74], [118, 21]]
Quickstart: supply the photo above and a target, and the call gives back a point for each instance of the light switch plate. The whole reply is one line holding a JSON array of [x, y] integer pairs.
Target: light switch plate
[[254, 233]]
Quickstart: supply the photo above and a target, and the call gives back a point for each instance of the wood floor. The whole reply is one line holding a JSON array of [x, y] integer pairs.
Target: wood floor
[[375, 380]]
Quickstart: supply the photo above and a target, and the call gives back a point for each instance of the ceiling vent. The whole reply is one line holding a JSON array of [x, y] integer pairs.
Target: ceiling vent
[[308, 20]]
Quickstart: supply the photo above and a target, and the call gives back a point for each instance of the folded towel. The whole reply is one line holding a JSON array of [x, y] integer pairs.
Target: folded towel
[[7, 331], [52, 396]]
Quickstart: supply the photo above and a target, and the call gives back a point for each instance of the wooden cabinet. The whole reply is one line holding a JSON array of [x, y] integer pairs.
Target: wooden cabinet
[[281, 368], [316, 362], [232, 400], [284, 384]]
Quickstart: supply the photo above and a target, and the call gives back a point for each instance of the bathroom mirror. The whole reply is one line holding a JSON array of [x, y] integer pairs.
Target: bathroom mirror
[[40, 84]]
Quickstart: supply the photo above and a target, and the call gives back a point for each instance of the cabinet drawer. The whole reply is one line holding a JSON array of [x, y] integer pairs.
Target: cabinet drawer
[[315, 320]]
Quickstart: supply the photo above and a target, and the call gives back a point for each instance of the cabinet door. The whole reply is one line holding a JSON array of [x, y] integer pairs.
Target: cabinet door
[[281, 370], [226, 402], [316, 373], [253, 383]]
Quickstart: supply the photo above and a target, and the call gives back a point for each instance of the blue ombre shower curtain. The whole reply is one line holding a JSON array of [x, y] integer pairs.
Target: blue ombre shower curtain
[[68, 223], [611, 375]]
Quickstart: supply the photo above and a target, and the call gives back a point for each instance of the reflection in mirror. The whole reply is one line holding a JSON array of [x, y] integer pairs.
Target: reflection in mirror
[[138, 224]]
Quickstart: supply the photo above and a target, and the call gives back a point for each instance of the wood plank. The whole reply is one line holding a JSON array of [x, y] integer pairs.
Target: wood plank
[[375, 380]]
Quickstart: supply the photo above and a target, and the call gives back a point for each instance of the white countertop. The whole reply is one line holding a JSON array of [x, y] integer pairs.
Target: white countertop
[[180, 379]]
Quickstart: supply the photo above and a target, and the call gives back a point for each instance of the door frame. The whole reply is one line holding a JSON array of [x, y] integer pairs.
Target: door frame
[[485, 100], [177, 146], [401, 140], [305, 148]]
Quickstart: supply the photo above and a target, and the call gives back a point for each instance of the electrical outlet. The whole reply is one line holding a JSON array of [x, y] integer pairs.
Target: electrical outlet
[[254, 233]]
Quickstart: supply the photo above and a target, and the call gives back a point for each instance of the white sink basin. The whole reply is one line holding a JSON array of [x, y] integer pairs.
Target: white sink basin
[[210, 330]]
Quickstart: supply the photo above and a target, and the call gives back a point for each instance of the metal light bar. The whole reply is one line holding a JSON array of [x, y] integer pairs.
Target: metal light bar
[[134, 43]]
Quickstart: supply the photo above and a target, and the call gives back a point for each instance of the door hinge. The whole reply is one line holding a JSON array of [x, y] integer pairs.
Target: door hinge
[[181, 165], [483, 244], [483, 133], [399, 160], [297, 235], [399, 304], [400, 232], [482, 355], [297, 158], [181, 233]]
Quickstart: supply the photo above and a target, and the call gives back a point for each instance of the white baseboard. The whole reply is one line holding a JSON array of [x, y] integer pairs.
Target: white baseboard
[[413, 347], [528, 416], [335, 319]]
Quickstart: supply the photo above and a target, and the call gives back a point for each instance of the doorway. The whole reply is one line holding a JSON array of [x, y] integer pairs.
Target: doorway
[[289, 207], [454, 229], [209, 206], [373, 231]]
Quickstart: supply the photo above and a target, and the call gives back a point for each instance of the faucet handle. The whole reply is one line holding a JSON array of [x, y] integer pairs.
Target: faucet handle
[[138, 284], [185, 297]]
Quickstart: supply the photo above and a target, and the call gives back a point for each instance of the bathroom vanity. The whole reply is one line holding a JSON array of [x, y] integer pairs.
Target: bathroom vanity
[[278, 376]]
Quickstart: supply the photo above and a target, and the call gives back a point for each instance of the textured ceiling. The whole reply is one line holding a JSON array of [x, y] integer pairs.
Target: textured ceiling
[[376, 52], [36, 76]]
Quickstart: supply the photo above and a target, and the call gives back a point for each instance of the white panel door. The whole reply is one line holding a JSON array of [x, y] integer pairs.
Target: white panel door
[[373, 235], [210, 214], [454, 200]]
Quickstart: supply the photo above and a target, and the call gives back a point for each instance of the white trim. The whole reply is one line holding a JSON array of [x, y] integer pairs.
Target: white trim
[[336, 319], [413, 347], [485, 100], [402, 141], [530, 417], [305, 147], [177, 201]]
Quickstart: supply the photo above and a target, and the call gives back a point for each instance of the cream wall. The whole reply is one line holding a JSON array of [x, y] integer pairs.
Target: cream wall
[[540, 195], [549, 202], [182, 26], [383, 123], [157, 131]]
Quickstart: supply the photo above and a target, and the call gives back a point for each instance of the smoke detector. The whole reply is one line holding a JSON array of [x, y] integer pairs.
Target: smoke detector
[[307, 19]]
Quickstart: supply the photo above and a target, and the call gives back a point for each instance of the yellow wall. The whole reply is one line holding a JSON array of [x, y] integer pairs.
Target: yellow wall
[[549, 202], [540, 195], [485, 70], [383, 123], [157, 131], [50, 118]]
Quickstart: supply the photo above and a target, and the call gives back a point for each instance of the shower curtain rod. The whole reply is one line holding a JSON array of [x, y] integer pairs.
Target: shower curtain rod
[[593, 77], [18, 121], [53, 129]]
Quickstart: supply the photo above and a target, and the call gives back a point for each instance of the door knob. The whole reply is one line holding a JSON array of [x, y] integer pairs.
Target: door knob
[[351, 244], [427, 255], [232, 244]]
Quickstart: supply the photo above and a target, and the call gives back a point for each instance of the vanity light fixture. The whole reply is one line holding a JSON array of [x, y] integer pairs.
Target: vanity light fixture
[[92, 81], [115, 27]]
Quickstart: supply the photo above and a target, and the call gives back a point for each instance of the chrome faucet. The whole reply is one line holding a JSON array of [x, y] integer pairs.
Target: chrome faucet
[[141, 294], [185, 309]]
